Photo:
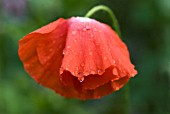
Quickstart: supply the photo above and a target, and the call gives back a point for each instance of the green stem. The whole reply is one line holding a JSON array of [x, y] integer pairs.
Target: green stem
[[117, 29], [111, 14], [126, 96]]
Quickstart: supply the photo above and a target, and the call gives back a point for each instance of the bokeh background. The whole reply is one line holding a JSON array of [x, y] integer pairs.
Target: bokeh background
[[145, 26]]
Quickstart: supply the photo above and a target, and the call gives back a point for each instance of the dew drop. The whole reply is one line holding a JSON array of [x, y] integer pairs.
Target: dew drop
[[90, 53], [80, 77], [82, 64], [77, 68], [115, 72], [95, 29], [68, 47], [97, 43], [27, 65], [61, 70], [99, 71], [105, 58], [86, 73], [75, 40], [132, 75], [93, 72], [54, 42], [92, 35], [86, 28], [73, 32], [119, 60], [64, 52], [116, 88]]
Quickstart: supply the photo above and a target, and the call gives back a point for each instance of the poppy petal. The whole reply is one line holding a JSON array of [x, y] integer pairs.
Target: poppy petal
[[28, 55], [92, 47], [50, 27], [94, 81], [32, 53], [117, 84], [78, 58]]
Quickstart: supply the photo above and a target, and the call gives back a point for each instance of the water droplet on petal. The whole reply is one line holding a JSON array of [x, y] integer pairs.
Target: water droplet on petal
[[97, 43], [105, 58], [80, 77], [119, 60], [116, 88], [115, 72], [75, 40], [112, 80], [93, 72], [95, 29], [86, 73], [68, 47], [73, 32], [90, 53], [64, 52], [132, 75], [86, 28], [27, 65], [61, 70], [91, 35], [99, 71], [82, 64]]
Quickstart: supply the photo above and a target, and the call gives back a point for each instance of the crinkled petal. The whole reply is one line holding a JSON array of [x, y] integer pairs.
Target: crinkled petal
[[94, 81], [117, 84], [91, 48], [40, 62], [78, 58], [50, 27]]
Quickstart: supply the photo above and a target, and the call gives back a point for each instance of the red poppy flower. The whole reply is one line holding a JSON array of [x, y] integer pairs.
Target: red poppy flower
[[77, 57]]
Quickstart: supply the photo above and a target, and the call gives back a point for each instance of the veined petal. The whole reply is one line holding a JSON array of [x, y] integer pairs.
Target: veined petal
[[40, 62], [50, 27], [91, 48], [78, 58]]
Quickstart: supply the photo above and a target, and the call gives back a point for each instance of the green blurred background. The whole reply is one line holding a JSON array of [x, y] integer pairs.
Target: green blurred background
[[145, 26]]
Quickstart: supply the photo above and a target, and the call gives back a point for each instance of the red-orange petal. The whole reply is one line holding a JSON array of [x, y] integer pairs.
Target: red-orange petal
[[40, 62], [91, 47], [78, 58]]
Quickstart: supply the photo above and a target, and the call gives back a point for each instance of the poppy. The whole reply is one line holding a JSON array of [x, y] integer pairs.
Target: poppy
[[77, 57]]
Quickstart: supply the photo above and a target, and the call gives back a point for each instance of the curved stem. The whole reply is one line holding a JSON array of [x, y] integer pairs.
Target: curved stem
[[127, 100], [111, 14], [115, 25]]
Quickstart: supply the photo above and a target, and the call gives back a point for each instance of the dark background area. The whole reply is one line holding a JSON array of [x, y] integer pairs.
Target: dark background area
[[145, 26]]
